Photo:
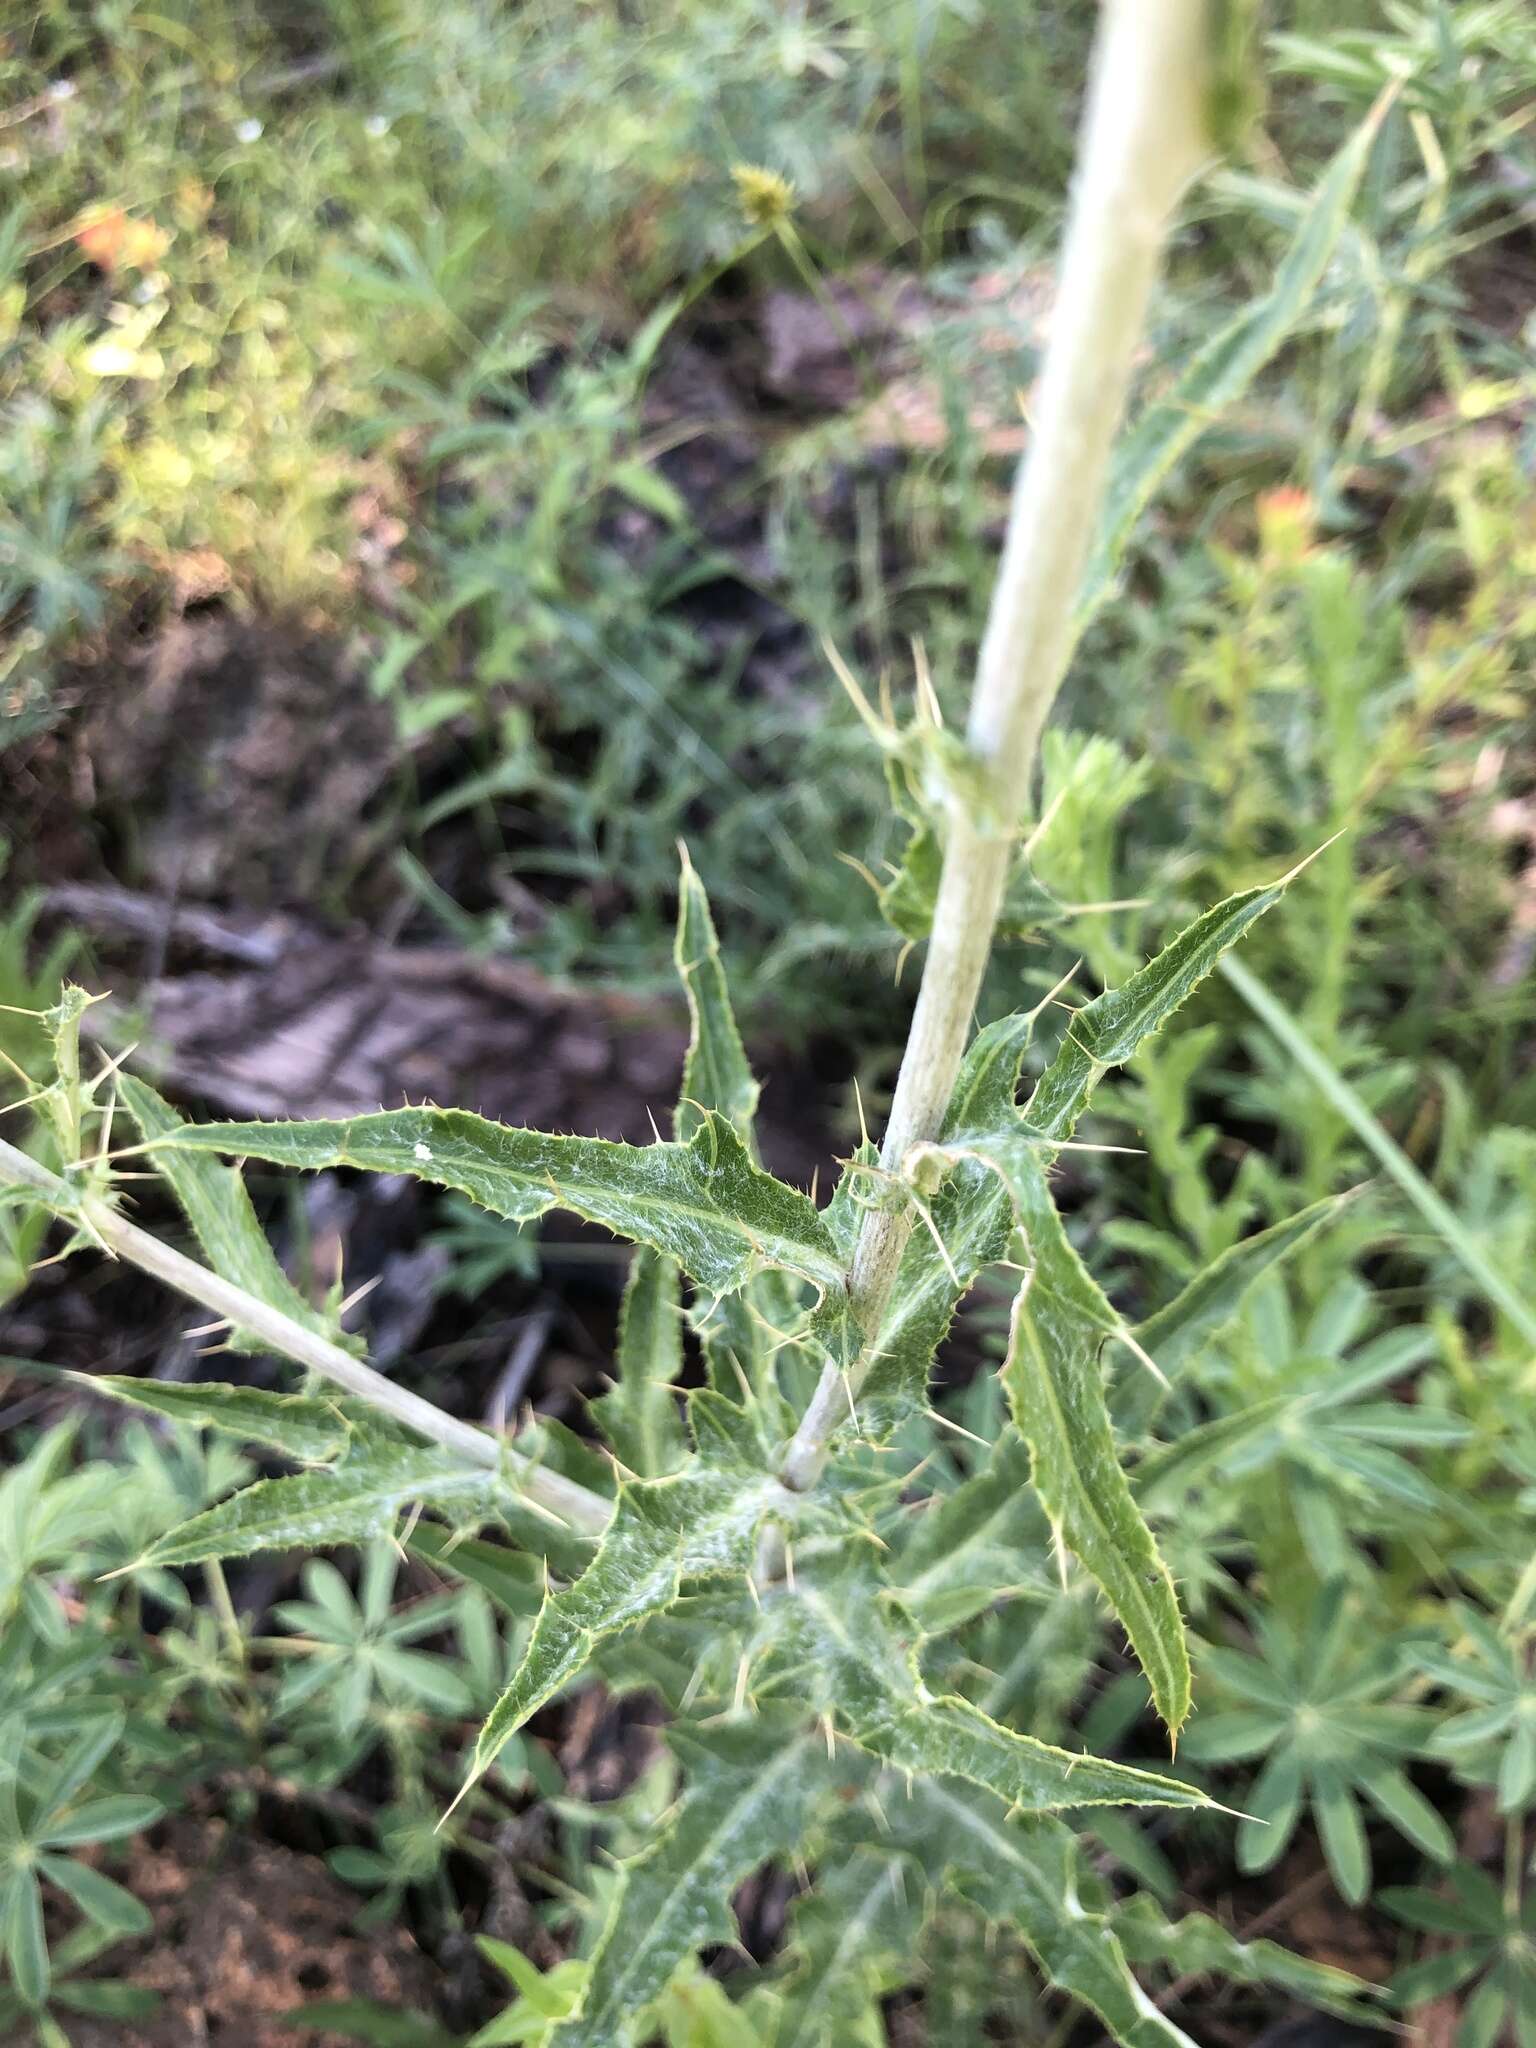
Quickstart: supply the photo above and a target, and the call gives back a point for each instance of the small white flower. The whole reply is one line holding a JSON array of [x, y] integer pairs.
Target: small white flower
[[248, 130], [420, 1151], [376, 124], [62, 89]]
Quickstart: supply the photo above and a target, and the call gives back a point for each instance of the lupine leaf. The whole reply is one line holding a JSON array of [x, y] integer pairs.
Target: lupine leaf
[[850, 1648], [303, 1427], [700, 1522], [716, 1075], [1222, 370], [1055, 1387], [1025, 1873], [639, 1415], [24, 1942], [219, 1210], [703, 1203], [1347, 1103], [513, 1579], [101, 1899], [751, 1792], [360, 1497]]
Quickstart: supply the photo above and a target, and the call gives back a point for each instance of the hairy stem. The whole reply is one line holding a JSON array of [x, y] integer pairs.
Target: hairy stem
[[1143, 139], [582, 1509]]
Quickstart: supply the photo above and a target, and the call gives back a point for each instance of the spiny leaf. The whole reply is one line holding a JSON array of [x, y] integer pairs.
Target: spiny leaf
[[1199, 1945], [639, 1415], [853, 1938], [1025, 1874], [844, 1640], [361, 1497], [1106, 1032], [977, 1545], [716, 1075], [1176, 1334], [985, 1096], [697, 1523], [751, 1792], [703, 1203], [1055, 1386], [1223, 368], [970, 1214], [308, 1430], [219, 1209], [907, 899], [735, 1329], [970, 1219]]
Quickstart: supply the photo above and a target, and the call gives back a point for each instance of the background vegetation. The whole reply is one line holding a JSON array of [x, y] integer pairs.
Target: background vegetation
[[444, 345]]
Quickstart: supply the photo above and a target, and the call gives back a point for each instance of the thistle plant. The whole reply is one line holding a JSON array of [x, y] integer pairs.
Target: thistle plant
[[747, 1547]]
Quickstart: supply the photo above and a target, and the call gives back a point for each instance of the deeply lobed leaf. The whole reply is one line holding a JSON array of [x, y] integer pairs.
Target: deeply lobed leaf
[[752, 1789], [362, 1496], [846, 1640], [702, 1203], [716, 1076], [1055, 1387], [1223, 368], [1026, 1873], [700, 1522], [219, 1209], [639, 1414]]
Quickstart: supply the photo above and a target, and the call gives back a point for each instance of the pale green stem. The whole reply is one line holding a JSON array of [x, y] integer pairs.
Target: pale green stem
[[583, 1510], [1143, 139]]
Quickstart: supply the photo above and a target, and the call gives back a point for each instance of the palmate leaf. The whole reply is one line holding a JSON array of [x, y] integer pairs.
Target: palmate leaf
[[701, 1522], [1025, 1874], [752, 1790], [702, 1202], [843, 1640], [220, 1212], [1055, 1386], [639, 1415]]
